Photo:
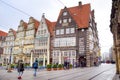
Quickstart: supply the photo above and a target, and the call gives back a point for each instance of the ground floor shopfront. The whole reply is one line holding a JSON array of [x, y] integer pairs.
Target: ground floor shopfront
[[58, 57], [71, 56], [27, 58]]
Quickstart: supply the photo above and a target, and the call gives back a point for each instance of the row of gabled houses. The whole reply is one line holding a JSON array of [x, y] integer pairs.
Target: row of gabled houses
[[73, 38]]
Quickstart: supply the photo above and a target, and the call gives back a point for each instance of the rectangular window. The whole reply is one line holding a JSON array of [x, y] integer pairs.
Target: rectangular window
[[57, 32], [65, 13], [81, 45], [62, 31], [38, 32], [54, 54], [61, 40], [70, 41], [57, 43], [64, 20], [73, 41], [72, 30], [41, 31], [65, 53], [44, 31], [67, 31], [73, 54], [69, 19], [60, 21], [57, 53]]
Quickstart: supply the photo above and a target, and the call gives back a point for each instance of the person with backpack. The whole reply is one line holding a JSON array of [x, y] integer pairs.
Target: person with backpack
[[35, 66], [20, 69]]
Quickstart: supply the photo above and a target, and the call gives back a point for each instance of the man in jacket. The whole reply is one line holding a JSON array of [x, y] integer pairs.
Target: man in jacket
[[35, 66]]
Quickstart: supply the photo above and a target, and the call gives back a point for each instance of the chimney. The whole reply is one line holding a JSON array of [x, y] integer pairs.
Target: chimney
[[80, 3]]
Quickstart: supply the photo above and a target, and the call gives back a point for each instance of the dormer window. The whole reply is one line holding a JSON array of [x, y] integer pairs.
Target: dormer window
[[65, 13], [69, 19], [64, 20]]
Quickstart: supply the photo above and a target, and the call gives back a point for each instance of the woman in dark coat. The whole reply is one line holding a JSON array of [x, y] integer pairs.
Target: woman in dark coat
[[20, 68]]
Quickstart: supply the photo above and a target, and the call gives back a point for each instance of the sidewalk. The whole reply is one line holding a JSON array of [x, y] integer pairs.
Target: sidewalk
[[103, 72], [116, 77], [27, 75]]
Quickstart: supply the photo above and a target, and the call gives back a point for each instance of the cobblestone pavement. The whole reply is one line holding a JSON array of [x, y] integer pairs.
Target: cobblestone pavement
[[116, 77], [103, 72]]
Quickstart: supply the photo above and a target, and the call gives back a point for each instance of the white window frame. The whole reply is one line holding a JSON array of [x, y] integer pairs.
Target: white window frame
[[70, 19], [60, 21], [64, 20], [57, 32], [72, 30], [62, 31], [67, 31], [64, 13]]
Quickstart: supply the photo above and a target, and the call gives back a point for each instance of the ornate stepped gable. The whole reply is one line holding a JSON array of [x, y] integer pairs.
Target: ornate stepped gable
[[22, 23], [36, 23], [13, 31]]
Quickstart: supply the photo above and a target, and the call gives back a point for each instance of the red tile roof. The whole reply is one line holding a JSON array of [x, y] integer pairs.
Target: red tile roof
[[2, 33], [81, 14], [51, 26], [24, 24], [37, 23]]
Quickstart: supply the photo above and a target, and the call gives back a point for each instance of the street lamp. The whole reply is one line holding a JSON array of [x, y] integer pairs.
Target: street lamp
[[9, 66]]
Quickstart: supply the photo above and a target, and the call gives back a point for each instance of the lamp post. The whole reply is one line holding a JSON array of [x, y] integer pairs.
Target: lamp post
[[9, 66]]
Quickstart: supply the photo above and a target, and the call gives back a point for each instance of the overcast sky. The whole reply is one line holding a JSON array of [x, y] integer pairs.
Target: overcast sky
[[10, 17]]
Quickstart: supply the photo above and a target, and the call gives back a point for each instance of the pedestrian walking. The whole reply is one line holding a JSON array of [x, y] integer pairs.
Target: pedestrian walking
[[35, 66], [20, 69], [68, 65], [65, 65]]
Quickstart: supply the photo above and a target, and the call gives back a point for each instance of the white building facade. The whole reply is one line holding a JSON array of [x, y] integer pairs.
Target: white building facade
[[43, 41], [9, 47]]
